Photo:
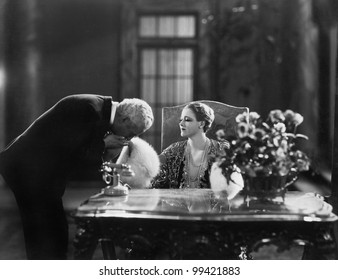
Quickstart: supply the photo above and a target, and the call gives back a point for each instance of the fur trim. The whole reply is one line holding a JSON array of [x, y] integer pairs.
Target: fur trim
[[143, 160], [219, 183]]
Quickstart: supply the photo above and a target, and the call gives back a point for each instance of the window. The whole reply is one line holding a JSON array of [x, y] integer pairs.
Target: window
[[166, 64], [167, 26]]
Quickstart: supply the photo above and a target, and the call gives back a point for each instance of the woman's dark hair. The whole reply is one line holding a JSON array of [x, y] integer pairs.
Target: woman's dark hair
[[203, 113]]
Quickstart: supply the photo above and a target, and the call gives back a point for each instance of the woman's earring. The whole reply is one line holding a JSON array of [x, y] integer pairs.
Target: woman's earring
[[201, 126]]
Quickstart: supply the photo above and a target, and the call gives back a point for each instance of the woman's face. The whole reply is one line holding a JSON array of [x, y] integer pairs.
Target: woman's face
[[188, 123]]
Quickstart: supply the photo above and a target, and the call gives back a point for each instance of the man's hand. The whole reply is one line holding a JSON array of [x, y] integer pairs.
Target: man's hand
[[113, 141]]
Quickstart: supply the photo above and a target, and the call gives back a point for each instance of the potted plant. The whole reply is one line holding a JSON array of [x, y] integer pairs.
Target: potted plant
[[266, 153]]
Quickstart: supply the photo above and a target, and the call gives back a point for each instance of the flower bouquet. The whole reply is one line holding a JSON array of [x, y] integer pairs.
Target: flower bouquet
[[266, 152]]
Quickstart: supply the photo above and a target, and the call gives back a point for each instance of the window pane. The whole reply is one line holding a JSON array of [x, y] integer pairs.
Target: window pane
[[147, 26], [172, 81], [166, 80], [148, 89], [167, 62], [186, 26], [148, 66], [166, 26], [184, 62], [183, 91], [166, 90]]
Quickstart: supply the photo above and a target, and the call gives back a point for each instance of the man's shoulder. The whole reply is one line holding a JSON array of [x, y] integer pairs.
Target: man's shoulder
[[85, 97], [85, 103]]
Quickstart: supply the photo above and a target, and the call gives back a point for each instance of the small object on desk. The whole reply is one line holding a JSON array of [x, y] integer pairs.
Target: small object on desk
[[119, 190], [116, 188]]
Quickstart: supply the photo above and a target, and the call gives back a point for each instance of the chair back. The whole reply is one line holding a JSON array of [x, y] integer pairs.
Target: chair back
[[225, 117]]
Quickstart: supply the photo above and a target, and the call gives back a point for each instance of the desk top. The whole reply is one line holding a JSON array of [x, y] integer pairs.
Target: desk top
[[204, 205]]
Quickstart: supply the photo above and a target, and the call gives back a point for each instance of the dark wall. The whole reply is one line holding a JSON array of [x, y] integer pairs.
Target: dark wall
[[79, 47], [56, 48]]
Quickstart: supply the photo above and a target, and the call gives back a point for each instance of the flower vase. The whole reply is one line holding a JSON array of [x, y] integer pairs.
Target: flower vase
[[266, 188]]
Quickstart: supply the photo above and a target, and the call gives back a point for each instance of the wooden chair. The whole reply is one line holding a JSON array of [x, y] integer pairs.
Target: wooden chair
[[225, 117]]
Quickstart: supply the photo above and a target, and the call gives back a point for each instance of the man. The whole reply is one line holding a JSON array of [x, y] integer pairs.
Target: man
[[38, 163]]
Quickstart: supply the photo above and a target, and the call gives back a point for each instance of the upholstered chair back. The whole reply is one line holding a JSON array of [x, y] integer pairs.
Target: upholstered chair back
[[225, 117]]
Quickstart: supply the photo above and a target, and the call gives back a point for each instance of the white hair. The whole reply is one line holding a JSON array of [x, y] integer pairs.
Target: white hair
[[137, 111]]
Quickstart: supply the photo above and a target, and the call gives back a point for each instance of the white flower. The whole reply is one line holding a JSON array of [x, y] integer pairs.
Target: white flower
[[280, 127], [243, 130], [242, 118], [276, 116], [280, 153], [298, 119], [253, 117], [289, 115], [220, 134], [284, 145]]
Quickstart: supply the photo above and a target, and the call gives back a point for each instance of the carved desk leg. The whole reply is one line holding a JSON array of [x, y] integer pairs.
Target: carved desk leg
[[139, 246], [211, 241], [108, 249], [133, 239], [244, 253], [317, 238], [335, 237], [283, 237], [323, 246], [85, 240]]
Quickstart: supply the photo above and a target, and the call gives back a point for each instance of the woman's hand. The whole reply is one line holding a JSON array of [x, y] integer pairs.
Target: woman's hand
[[112, 141]]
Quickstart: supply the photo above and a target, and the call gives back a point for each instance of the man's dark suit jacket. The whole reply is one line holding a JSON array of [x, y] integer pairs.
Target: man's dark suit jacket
[[66, 135]]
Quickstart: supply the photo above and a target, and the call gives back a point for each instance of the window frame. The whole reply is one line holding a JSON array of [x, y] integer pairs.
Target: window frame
[[170, 43], [168, 13]]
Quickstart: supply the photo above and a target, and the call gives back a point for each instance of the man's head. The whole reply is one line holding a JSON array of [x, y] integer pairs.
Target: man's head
[[133, 117]]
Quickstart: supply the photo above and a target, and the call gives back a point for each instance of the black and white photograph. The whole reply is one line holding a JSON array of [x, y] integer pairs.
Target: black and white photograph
[[169, 130]]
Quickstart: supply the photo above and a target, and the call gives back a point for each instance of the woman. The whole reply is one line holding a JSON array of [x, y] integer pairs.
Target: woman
[[187, 164]]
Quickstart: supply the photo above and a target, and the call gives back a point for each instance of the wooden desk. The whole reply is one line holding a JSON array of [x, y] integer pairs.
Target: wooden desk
[[197, 224]]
